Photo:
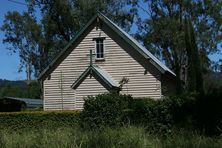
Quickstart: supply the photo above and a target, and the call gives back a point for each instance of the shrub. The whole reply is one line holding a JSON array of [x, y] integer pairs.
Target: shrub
[[181, 107], [152, 114], [38, 119], [103, 110], [197, 112], [159, 116], [209, 113]]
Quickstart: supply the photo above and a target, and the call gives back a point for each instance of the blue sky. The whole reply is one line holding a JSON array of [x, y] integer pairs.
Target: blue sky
[[9, 62]]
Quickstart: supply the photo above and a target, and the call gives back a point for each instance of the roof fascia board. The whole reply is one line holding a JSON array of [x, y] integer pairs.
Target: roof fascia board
[[96, 74], [103, 79], [81, 78]]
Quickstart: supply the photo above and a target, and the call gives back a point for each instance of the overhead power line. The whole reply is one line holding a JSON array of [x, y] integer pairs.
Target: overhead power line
[[17, 2]]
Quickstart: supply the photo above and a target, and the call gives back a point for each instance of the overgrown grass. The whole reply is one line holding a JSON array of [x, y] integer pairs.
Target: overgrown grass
[[124, 137]]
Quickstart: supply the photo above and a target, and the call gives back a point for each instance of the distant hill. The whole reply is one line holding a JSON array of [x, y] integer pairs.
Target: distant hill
[[20, 83], [20, 88]]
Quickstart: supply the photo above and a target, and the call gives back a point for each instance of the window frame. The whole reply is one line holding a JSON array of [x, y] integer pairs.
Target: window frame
[[103, 43]]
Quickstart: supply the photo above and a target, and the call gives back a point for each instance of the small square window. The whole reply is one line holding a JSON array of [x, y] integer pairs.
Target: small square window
[[99, 49]]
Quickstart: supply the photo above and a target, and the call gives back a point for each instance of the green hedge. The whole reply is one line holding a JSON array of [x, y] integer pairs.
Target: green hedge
[[209, 113], [113, 110], [103, 110], [157, 116], [38, 119], [154, 115]]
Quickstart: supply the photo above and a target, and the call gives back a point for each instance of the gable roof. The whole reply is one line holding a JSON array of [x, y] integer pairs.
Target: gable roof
[[101, 75], [125, 36]]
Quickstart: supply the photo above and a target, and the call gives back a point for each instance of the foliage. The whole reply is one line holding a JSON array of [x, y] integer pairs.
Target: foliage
[[181, 107], [20, 89], [194, 74], [105, 110], [9, 90], [18, 83], [38, 38], [187, 111], [22, 31], [37, 119], [184, 138], [160, 116], [154, 115], [161, 29], [209, 113], [33, 90], [152, 118], [212, 82], [113, 110]]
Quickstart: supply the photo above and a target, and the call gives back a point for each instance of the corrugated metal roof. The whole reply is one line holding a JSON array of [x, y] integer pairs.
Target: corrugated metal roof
[[98, 73], [106, 76], [140, 46]]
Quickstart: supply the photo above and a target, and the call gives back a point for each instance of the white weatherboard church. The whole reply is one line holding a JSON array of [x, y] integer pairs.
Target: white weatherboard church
[[96, 61]]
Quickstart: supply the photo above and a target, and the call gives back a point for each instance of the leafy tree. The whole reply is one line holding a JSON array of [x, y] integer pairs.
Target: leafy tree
[[216, 66], [37, 42], [162, 31], [195, 78], [22, 32], [33, 90]]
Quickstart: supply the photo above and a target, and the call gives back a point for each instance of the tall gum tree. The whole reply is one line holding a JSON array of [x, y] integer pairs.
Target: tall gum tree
[[161, 30], [38, 42]]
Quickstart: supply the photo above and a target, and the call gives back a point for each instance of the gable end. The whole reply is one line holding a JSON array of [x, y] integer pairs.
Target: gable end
[[130, 40]]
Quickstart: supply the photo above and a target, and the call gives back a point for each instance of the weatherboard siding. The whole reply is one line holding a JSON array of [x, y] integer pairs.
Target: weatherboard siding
[[58, 93], [89, 87]]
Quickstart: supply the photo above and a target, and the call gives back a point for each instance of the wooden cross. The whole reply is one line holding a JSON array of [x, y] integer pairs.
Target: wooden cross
[[91, 61], [91, 57]]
